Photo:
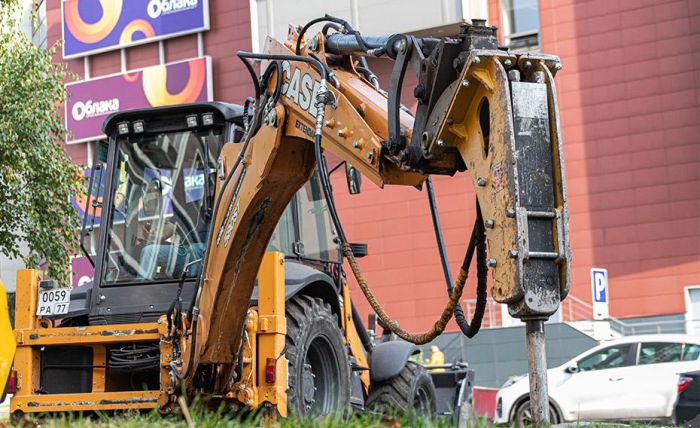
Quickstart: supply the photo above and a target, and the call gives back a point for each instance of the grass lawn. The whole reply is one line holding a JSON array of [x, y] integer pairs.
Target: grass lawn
[[212, 419], [207, 419]]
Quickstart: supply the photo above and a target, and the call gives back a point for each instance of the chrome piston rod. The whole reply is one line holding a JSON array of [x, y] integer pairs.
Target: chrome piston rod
[[537, 369]]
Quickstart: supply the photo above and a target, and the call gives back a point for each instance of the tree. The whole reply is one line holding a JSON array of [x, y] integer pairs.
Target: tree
[[37, 179]]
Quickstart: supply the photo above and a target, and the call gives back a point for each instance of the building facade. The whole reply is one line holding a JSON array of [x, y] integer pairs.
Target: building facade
[[629, 98]]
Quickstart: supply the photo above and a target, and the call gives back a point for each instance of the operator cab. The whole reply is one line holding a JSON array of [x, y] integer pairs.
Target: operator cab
[[149, 226]]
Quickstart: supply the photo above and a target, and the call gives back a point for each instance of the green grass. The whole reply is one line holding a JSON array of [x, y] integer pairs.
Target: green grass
[[207, 419], [201, 417], [218, 419]]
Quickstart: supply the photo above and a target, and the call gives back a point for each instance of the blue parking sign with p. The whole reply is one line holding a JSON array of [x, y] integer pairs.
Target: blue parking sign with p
[[599, 284]]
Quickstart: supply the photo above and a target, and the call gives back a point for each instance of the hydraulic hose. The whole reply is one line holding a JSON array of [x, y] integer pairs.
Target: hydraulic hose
[[456, 292], [438, 233], [333, 19], [418, 339], [478, 240], [251, 71]]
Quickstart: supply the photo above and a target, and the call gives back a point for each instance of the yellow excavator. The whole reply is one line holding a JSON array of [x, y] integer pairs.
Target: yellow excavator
[[220, 257]]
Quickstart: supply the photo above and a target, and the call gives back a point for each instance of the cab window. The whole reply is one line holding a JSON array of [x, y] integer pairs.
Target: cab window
[[283, 237], [607, 358], [159, 223], [315, 228]]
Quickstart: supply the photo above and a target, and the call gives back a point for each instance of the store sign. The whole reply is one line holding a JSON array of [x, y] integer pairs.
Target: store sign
[[92, 26], [91, 101], [81, 271]]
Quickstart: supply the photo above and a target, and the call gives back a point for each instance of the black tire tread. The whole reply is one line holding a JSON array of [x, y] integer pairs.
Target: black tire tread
[[302, 311], [396, 394]]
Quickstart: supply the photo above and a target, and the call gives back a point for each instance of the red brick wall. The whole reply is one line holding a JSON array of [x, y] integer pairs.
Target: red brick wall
[[629, 97], [629, 102], [230, 32]]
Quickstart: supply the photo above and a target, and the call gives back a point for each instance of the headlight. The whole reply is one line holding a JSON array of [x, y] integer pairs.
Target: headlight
[[511, 380]]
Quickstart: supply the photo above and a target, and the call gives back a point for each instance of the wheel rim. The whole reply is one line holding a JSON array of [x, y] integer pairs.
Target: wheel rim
[[320, 390], [526, 416], [422, 402]]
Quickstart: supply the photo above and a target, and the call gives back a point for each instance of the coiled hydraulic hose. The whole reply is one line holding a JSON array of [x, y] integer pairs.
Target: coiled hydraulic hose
[[455, 293]]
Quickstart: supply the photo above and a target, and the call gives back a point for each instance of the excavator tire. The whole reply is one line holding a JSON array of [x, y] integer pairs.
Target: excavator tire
[[410, 392], [319, 367]]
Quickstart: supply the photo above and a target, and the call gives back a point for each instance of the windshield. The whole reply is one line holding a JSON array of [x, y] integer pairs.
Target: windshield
[[159, 222]]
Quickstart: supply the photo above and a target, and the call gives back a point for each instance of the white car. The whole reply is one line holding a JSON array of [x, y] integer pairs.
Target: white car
[[632, 378]]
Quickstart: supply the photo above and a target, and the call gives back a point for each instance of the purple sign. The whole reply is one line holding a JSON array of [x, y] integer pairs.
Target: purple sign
[[82, 271], [92, 26], [90, 101]]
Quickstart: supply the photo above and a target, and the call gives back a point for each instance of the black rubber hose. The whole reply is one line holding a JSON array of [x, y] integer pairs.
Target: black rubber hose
[[479, 237], [328, 193], [330, 25], [264, 80], [322, 69], [438, 232], [478, 240], [308, 25], [253, 75]]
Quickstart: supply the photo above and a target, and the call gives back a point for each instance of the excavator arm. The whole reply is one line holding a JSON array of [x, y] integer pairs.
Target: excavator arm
[[481, 110]]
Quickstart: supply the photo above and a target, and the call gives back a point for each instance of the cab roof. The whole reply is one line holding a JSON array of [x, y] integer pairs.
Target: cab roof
[[230, 113]]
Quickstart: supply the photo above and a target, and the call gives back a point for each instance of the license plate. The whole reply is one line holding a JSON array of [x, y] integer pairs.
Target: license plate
[[53, 302]]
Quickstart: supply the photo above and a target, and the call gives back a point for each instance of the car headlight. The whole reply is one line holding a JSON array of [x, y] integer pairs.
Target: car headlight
[[511, 380]]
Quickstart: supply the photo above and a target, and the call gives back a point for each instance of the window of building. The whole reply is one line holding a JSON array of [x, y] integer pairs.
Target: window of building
[[521, 24], [607, 358], [39, 24]]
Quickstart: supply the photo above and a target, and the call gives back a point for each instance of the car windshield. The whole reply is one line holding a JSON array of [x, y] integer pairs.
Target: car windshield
[[163, 186]]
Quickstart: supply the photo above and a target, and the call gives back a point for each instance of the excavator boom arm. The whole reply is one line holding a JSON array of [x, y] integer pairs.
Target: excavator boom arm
[[481, 109]]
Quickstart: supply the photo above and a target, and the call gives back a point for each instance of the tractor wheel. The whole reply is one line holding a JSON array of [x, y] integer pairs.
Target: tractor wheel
[[410, 392], [319, 367]]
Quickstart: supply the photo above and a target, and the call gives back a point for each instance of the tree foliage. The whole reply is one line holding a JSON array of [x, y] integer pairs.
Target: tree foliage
[[37, 179]]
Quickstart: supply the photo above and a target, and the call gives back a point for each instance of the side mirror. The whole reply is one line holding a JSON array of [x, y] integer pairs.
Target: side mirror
[[572, 369], [354, 179]]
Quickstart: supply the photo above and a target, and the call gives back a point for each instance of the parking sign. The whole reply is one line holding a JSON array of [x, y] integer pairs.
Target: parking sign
[[599, 290]]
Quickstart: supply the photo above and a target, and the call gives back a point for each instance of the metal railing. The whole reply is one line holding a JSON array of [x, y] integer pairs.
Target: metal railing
[[573, 309], [492, 313]]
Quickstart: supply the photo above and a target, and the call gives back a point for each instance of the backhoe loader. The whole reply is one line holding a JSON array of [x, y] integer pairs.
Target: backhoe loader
[[220, 259]]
